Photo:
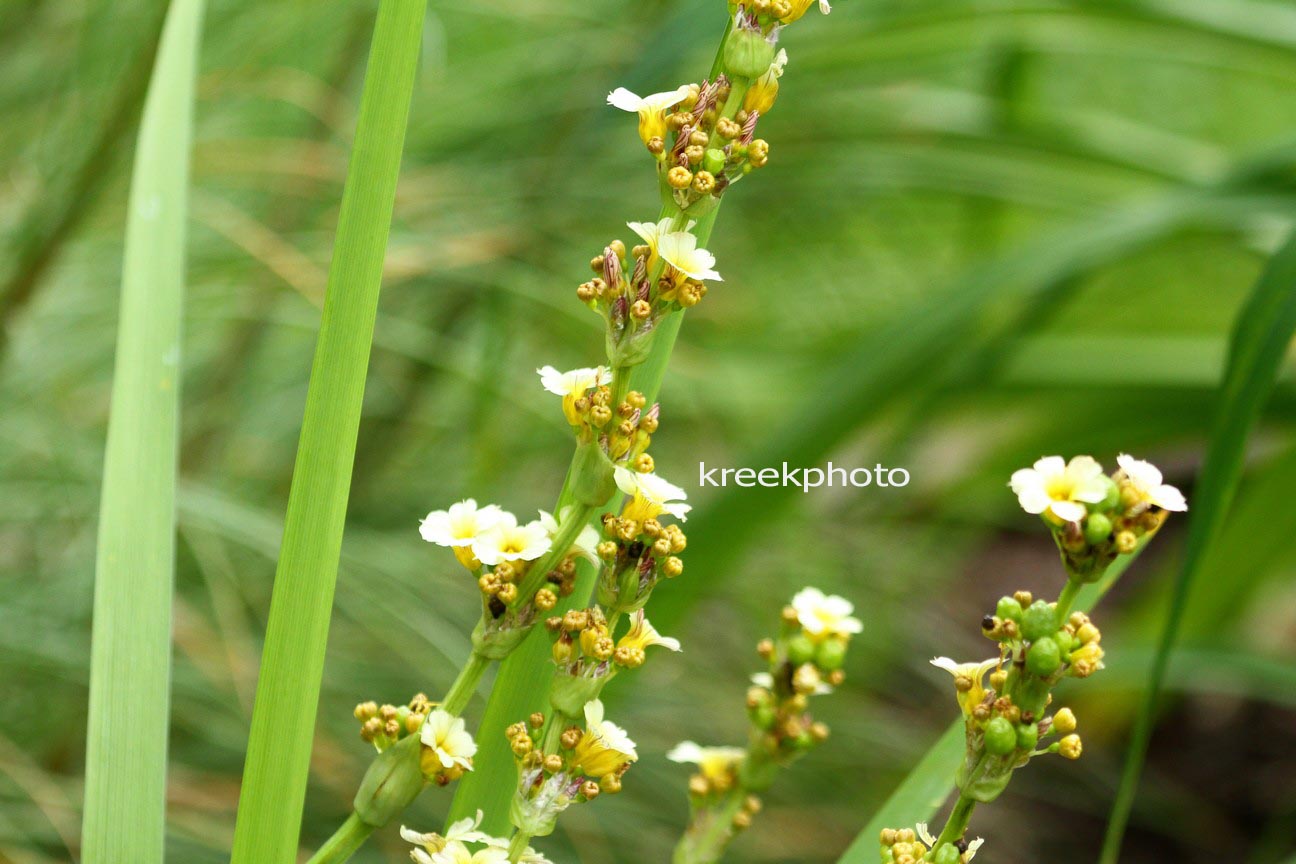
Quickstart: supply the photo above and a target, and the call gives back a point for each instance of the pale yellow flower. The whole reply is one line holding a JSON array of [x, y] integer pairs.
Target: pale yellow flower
[[459, 526], [642, 634], [461, 831], [573, 385], [823, 616], [764, 90], [652, 232], [1145, 481], [969, 680], [604, 747], [445, 735], [652, 496], [681, 251], [716, 764], [1060, 488], [507, 540], [801, 7], [651, 109]]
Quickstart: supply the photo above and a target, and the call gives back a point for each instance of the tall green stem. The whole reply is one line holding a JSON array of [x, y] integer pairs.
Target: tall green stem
[[957, 823], [456, 698], [1066, 599], [344, 842]]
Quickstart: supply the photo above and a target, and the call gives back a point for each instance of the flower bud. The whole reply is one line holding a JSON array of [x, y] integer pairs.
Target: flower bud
[[800, 649], [1097, 529], [1038, 621], [830, 655], [1000, 737], [1070, 747], [1044, 658], [1009, 609], [1064, 722], [747, 53]]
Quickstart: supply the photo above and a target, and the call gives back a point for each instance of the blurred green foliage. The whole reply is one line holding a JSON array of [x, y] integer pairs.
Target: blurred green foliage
[[1092, 186]]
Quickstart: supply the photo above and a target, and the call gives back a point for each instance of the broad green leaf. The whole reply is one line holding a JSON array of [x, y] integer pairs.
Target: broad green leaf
[[279, 747], [1259, 343], [130, 663]]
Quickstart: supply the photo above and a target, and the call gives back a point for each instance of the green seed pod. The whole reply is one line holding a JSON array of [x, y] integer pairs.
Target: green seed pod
[[1038, 621], [947, 854], [830, 655], [1027, 736], [1000, 736], [1044, 658], [1009, 609], [800, 649], [1065, 641], [747, 54], [763, 717], [714, 161], [1097, 529]]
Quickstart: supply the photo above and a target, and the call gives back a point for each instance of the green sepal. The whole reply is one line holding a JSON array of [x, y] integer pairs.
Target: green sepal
[[391, 784], [496, 640], [593, 481], [570, 693]]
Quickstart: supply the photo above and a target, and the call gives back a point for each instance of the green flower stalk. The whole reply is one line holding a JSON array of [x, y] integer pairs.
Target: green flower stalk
[[1093, 518], [805, 660], [701, 138]]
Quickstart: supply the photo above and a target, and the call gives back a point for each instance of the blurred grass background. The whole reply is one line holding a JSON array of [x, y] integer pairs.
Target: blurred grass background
[[1100, 180]]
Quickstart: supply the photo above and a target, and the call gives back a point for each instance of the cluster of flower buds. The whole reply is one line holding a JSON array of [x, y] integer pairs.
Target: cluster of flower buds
[[1007, 721], [636, 554], [588, 654], [570, 764], [634, 290], [384, 725], [907, 846], [1095, 517], [702, 135], [623, 430], [804, 660]]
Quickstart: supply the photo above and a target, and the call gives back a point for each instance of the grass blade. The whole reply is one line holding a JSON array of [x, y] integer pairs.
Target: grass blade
[[279, 746], [1260, 339], [921, 794], [130, 663]]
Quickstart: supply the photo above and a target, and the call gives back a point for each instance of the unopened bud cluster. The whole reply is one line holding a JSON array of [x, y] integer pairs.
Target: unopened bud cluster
[[635, 555], [561, 762], [907, 846], [804, 659], [384, 725], [1006, 700], [634, 289]]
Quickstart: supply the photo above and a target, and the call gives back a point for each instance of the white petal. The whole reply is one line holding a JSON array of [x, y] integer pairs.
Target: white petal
[[1068, 511], [1169, 498], [685, 751], [624, 99]]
